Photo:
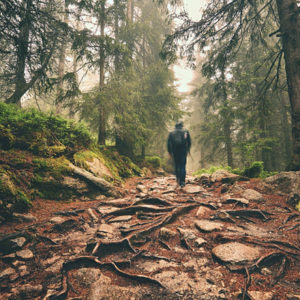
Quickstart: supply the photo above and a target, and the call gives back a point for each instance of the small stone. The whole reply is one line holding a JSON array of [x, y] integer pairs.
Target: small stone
[[187, 233], [252, 195], [25, 217], [193, 189], [141, 188], [236, 253], [7, 273], [266, 271], [23, 271], [25, 254], [208, 226], [258, 295], [105, 228], [166, 233], [57, 220], [19, 242], [200, 242], [203, 212]]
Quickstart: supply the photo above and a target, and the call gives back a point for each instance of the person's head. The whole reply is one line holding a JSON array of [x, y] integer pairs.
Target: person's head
[[179, 125]]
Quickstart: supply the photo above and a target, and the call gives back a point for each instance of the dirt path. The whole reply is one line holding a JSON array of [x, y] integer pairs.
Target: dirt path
[[219, 241]]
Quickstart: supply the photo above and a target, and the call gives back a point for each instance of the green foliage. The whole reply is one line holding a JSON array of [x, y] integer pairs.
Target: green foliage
[[211, 170], [42, 134], [153, 161], [255, 170]]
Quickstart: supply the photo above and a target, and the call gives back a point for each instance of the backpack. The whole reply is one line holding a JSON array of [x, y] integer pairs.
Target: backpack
[[179, 138]]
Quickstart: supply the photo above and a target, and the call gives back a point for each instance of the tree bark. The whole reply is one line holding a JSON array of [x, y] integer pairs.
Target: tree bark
[[102, 118], [289, 18], [22, 53], [61, 64]]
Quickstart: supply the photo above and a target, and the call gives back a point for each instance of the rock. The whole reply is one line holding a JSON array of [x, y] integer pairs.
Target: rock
[[258, 295], [103, 289], [13, 242], [25, 217], [266, 271], [203, 212], [141, 188], [208, 226], [187, 233], [19, 242], [285, 182], [7, 273], [57, 220], [124, 218], [87, 276], [105, 230], [166, 234], [75, 183], [23, 271], [25, 254], [252, 195], [224, 177], [98, 168], [231, 199], [204, 179], [199, 242], [236, 253], [193, 189], [55, 268]]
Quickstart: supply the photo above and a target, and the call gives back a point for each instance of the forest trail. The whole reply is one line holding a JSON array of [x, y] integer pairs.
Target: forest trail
[[205, 241]]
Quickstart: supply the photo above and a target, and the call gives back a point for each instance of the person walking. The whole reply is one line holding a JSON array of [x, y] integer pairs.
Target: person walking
[[179, 144]]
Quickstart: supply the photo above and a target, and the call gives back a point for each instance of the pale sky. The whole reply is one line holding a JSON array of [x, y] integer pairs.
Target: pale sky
[[183, 74]]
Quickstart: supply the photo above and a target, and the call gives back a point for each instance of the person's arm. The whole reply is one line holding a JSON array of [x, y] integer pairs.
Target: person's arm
[[169, 144], [188, 141]]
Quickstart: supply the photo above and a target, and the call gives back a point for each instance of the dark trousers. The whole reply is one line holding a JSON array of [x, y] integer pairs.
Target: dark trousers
[[180, 171]]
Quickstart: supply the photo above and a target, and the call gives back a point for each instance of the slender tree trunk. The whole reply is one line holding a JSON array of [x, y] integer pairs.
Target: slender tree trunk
[[61, 65], [116, 25], [289, 18], [227, 124], [102, 115]]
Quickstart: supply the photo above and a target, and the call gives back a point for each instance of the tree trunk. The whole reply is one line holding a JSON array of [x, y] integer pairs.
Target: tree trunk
[[116, 25], [22, 44], [61, 65], [102, 117], [288, 12]]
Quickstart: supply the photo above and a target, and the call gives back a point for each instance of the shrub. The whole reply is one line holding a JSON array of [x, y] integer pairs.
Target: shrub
[[153, 161]]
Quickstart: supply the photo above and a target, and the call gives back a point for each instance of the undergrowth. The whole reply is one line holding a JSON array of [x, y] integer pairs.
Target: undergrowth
[[255, 170]]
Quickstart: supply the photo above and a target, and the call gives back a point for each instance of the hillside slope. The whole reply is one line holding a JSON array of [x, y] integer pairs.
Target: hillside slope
[[47, 157]]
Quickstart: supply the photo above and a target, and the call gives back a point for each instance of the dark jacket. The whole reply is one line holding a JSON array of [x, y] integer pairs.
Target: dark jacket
[[179, 142]]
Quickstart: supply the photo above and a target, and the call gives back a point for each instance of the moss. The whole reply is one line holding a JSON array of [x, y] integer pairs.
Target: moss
[[81, 157], [153, 161], [298, 206], [57, 167], [13, 199]]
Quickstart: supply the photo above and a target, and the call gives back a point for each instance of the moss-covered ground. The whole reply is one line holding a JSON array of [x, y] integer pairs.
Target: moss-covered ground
[[36, 150]]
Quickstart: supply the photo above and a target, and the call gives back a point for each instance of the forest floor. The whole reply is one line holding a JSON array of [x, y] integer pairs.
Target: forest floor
[[157, 242]]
